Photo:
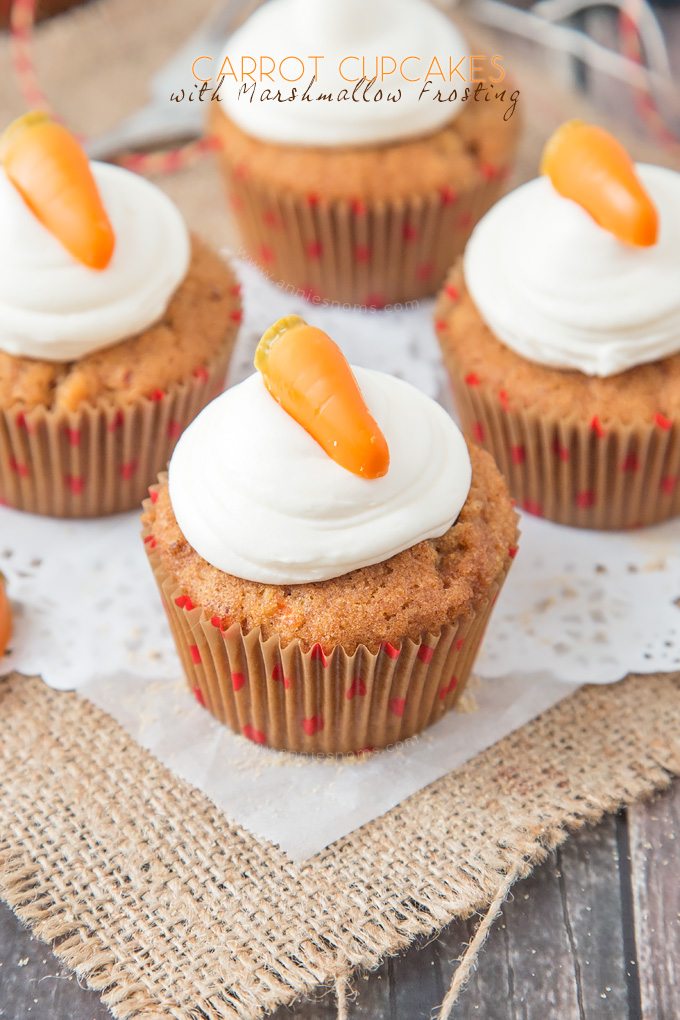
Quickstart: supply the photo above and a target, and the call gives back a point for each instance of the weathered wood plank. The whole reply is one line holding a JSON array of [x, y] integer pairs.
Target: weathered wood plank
[[654, 829], [34, 985], [373, 995], [557, 951], [416, 982], [592, 907]]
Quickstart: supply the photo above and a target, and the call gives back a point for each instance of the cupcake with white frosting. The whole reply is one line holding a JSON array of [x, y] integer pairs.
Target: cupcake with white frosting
[[350, 191], [328, 577], [115, 326], [560, 328]]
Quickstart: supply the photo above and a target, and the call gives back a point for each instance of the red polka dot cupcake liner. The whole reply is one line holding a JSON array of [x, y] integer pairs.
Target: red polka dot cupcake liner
[[314, 701], [574, 472], [370, 254], [98, 459], [583, 473]]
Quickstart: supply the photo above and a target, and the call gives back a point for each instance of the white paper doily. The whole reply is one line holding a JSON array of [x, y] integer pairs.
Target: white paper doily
[[588, 606], [578, 607], [581, 606]]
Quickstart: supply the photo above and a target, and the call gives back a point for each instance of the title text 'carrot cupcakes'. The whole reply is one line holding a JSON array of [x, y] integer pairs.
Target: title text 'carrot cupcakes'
[[360, 181]]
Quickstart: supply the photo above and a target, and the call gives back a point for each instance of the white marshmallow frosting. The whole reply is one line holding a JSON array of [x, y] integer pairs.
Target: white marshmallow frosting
[[258, 497], [335, 29], [55, 308], [562, 291]]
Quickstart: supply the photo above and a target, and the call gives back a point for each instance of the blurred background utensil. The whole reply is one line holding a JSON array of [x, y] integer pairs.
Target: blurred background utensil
[[163, 122]]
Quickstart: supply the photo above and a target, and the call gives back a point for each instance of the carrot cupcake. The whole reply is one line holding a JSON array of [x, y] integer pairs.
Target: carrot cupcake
[[341, 191], [328, 579], [561, 332], [115, 326]]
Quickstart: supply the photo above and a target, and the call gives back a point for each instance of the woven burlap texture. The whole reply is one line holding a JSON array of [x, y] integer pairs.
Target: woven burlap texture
[[155, 899], [142, 885]]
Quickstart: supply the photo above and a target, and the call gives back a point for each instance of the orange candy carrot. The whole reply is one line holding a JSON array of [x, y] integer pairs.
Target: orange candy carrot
[[46, 164], [5, 618], [587, 164], [308, 375]]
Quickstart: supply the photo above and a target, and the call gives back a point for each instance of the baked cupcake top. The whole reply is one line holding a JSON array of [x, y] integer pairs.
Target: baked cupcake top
[[57, 211], [413, 32], [297, 475], [416, 591], [558, 272]]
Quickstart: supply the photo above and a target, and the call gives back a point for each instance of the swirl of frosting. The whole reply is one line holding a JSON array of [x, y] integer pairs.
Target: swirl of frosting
[[561, 291], [335, 29], [257, 497], [53, 307]]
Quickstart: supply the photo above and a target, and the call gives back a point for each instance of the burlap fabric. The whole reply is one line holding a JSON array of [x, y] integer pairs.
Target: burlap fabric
[[142, 885], [154, 898]]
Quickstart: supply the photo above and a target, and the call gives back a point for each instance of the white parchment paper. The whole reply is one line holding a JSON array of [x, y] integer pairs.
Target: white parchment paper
[[303, 803]]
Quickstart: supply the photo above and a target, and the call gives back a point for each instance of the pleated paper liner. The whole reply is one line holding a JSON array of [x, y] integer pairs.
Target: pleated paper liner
[[99, 459], [569, 470], [371, 254], [309, 702]]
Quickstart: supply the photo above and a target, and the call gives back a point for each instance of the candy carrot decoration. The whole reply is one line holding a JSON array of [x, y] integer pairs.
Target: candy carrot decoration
[[52, 173], [5, 618], [310, 378], [587, 164]]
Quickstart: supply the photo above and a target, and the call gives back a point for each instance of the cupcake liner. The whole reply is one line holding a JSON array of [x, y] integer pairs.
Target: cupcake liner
[[369, 254], [309, 702], [98, 459], [576, 472]]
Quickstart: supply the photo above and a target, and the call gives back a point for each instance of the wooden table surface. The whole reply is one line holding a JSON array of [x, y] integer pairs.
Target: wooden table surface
[[592, 934]]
